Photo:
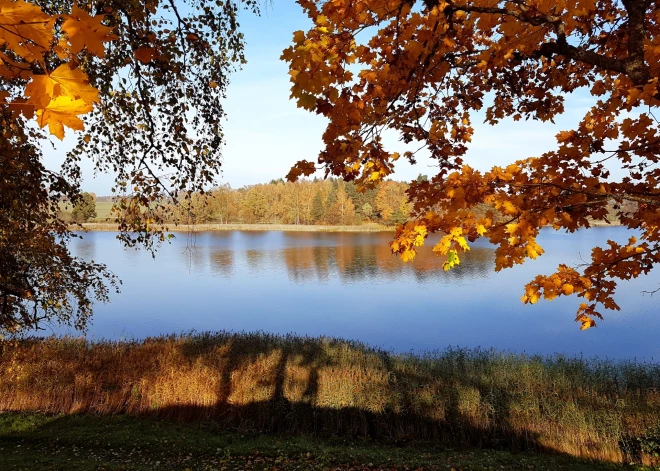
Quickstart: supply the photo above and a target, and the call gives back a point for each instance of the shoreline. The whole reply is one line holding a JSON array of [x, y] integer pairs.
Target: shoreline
[[109, 227], [372, 227]]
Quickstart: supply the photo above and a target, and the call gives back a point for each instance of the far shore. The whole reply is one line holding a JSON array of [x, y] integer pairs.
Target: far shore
[[371, 227], [95, 226]]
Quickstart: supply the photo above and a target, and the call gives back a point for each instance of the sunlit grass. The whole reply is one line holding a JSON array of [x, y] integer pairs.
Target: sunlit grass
[[594, 409]]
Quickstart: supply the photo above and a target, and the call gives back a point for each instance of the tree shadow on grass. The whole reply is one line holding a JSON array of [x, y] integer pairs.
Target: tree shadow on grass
[[319, 387], [113, 440], [285, 412]]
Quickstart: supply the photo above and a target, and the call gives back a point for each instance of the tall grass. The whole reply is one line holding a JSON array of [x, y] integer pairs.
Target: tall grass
[[594, 409]]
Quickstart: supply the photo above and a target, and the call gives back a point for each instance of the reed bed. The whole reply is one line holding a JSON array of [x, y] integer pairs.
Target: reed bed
[[593, 409]]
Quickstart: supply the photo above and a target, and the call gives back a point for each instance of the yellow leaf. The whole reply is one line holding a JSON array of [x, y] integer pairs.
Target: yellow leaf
[[63, 81], [408, 255], [63, 111], [587, 324], [481, 229], [86, 32], [463, 243]]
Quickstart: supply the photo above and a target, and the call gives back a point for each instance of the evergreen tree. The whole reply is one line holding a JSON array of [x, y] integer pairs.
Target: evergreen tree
[[318, 211], [398, 217], [332, 197], [360, 199]]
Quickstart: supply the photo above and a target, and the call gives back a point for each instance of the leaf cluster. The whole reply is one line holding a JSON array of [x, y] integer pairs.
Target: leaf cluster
[[423, 69], [142, 83]]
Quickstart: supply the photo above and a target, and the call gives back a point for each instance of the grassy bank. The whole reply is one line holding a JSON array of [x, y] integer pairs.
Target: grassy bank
[[93, 226], [317, 387], [38, 442]]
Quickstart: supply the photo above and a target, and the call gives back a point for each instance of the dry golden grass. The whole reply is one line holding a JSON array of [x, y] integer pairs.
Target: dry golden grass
[[320, 386]]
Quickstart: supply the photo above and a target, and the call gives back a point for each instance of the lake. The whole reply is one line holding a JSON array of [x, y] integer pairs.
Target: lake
[[349, 285]]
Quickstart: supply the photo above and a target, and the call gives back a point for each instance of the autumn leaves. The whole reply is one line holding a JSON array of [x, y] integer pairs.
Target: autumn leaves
[[60, 97], [422, 70], [148, 78], [56, 97]]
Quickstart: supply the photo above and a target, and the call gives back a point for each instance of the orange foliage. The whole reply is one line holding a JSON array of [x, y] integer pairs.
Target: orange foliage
[[58, 96], [424, 69]]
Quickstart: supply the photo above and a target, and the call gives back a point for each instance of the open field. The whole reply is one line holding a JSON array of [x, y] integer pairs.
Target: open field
[[596, 410], [38, 442], [103, 210]]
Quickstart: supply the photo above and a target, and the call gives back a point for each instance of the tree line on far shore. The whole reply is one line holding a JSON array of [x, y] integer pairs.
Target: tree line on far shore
[[330, 201], [305, 202]]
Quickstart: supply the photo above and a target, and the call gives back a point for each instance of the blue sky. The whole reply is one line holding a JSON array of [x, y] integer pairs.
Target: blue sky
[[266, 133]]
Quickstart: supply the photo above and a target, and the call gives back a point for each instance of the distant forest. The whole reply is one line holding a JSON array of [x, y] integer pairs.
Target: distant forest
[[328, 202], [331, 201]]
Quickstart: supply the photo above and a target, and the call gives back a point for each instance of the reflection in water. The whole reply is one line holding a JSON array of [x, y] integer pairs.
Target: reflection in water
[[222, 261], [255, 259], [85, 248], [195, 257], [350, 285], [320, 257], [364, 262]]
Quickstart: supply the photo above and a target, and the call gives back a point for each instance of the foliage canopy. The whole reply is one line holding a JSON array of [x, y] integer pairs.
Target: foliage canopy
[[142, 81], [423, 69]]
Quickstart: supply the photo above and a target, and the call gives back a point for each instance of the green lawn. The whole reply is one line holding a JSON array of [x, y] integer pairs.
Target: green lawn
[[103, 210], [71, 443]]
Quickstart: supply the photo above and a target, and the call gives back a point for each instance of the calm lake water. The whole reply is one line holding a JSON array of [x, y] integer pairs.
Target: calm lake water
[[349, 285]]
